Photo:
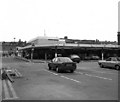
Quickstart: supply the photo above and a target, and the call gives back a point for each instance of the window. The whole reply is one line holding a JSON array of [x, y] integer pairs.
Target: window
[[114, 59], [109, 59]]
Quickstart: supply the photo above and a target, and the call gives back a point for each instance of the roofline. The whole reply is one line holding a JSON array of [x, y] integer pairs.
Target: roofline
[[73, 45]]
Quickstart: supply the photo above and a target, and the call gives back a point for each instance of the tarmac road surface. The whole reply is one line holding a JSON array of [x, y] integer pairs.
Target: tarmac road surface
[[88, 82]]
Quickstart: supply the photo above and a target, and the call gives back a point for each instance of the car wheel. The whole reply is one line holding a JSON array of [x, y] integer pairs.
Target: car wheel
[[57, 69], [101, 66], [71, 71], [117, 67], [49, 68]]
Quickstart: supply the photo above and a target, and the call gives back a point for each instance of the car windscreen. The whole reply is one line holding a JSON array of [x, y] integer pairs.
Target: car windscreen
[[74, 56], [118, 58], [65, 60]]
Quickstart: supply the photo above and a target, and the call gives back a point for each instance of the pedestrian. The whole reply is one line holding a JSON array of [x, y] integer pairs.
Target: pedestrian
[[4, 75]]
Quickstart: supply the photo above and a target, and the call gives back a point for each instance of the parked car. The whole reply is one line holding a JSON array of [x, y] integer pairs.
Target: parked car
[[62, 64], [75, 58], [87, 58], [112, 62], [94, 57]]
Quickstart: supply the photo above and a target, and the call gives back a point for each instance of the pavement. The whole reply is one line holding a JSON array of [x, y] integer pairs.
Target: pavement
[[88, 82], [34, 60]]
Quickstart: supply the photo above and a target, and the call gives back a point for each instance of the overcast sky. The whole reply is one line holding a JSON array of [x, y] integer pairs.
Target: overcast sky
[[77, 19]]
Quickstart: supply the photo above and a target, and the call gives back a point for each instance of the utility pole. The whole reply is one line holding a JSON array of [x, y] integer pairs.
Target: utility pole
[[14, 39], [44, 33], [32, 51]]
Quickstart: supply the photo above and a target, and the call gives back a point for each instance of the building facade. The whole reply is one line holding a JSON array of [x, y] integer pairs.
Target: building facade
[[47, 47]]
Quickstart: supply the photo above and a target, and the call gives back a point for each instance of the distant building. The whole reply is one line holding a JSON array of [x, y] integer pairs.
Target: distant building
[[9, 48], [43, 40]]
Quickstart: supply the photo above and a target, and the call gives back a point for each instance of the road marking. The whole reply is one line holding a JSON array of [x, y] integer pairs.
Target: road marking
[[101, 72], [12, 90], [97, 71], [18, 73], [64, 77], [98, 77], [51, 72], [9, 98], [6, 92], [70, 79], [1, 71], [93, 76], [7, 95], [79, 72]]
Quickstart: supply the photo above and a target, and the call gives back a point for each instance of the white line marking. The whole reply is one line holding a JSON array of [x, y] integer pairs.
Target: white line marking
[[1, 71], [12, 90], [18, 73], [102, 72], [65, 77], [79, 72], [51, 72], [70, 79], [94, 76], [9, 98], [98, 77], [7, 95], [97, 71]]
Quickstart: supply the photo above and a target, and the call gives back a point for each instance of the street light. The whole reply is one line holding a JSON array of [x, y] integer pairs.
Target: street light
[[32, 51]]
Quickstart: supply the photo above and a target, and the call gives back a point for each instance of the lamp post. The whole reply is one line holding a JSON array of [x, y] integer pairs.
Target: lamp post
[[32, 51]]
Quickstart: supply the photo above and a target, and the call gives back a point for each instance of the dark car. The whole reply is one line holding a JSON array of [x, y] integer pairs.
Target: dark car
[[62, 64], [75, 58]]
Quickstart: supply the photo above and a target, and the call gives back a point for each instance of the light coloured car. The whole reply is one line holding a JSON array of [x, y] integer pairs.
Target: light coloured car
[[111, 62]]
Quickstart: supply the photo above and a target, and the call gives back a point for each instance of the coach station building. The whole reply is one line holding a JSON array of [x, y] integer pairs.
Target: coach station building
[[49, 47]]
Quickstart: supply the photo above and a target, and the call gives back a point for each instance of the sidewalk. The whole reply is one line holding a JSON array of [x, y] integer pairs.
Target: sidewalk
[[34, 60]]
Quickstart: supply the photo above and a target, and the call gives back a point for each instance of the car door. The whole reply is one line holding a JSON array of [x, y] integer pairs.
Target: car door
[[107, 63], [113, 62]]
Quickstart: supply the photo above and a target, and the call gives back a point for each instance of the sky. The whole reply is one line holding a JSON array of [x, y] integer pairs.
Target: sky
[[77, 19]]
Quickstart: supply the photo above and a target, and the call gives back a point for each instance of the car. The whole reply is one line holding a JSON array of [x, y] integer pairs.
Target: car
[[92, 57], [62, 64], [87, 58], [95, 57], [112, 62], [75, 58]]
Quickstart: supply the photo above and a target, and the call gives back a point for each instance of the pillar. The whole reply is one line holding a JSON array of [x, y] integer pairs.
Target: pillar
[[102, 56], [45, 56]]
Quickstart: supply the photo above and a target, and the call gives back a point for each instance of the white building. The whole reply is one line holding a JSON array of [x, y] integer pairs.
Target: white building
[[44, 40]]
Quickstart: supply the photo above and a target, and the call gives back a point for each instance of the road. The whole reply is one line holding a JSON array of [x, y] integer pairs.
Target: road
[[36, 82]]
